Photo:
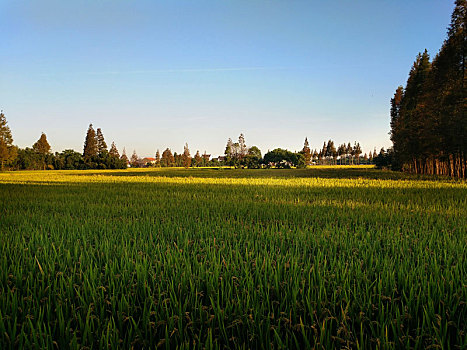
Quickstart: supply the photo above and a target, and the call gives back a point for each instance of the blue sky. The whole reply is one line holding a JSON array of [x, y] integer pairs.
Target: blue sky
[[157, 74]]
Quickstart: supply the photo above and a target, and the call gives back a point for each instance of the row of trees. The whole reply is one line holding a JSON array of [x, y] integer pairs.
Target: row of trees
[[345, 154], [169, 159], [96, 155], [428, 121], [239, 155]]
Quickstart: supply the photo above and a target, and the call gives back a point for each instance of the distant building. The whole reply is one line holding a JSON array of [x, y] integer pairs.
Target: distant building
[[147, 160]]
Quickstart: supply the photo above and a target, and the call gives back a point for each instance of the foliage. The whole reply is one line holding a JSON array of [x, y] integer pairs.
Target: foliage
[[167, 159], [90, 150], [253, 158], [384, 158], [281, 158], [186, 157], [134, 160], [101, 145], [42, 148], [306, 151], [197, 159], [7, 150], [114, 151], [428, 123]]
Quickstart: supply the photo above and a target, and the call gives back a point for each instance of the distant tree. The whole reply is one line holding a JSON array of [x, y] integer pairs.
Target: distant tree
[[228, 152], [114, 151], [186, 157], [341, 152], [357, 150], [242, 148], [177, 160], [7, 150], [167, 159], [124, 158], [42, 148], [315, 155], [253, 158], [29, 159], [68, 160], [348, 152], [306, 152], [198, 159], [331, 152], [90, 145], [134, 161], [205, 157], [101, 145], [158, 159], [384, 158], [281, 158]]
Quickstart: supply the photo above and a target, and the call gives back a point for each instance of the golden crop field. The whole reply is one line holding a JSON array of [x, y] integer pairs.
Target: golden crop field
[[346, 257]]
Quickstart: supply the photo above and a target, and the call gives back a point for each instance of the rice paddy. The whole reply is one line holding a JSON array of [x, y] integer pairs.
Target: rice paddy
[[328, 257]]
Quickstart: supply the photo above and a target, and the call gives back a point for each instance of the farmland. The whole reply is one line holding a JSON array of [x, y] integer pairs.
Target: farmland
[[206, 258]]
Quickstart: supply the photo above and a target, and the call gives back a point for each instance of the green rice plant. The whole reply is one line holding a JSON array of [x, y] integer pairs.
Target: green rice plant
[[346, 257]]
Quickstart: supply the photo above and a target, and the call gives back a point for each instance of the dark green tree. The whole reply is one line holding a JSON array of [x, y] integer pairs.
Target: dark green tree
[[90, 145], [306, 152], [158, 159], [7, 150], [167, 159], [198, 160], [114, 151], [186, 157], [253, 158], [124, 158], [134, 161], [42, 148], [101, 145], [228, 153]]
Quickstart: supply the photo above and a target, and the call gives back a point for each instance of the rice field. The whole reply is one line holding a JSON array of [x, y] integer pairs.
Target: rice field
[[321, 258]]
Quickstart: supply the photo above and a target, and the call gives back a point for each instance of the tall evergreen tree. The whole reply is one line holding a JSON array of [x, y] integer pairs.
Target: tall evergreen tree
[[428, 125], [42, 145], [357, 150], [306, 152], [341, 152], [396, 125], [186, 157], [124, 158], [114, 151], [167, 159], [229, 152], [242, 148], [101, 145], [90, 144], [7, 150], [42, 148], [134, 161], [198, 159], [158, 159]]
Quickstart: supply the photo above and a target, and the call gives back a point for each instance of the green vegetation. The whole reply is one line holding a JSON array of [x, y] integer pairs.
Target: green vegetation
[[302, 258], [428, 119]]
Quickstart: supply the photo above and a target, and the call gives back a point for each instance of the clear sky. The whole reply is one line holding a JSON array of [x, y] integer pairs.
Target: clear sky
[[157, 74]]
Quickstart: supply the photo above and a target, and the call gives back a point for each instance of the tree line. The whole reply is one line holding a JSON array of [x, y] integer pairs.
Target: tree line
[[428, 122], [96, 155]]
